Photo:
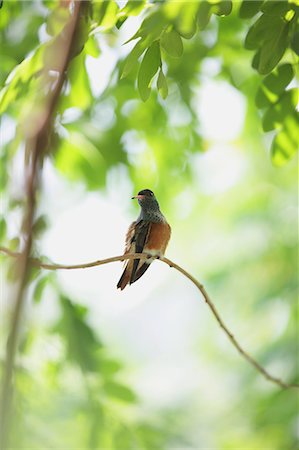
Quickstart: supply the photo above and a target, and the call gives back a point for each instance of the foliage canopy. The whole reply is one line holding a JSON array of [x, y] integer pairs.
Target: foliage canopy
[[135, 121]]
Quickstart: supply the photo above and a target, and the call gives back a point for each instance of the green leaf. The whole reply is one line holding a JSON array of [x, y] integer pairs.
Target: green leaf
[[99, 10], [39, 288], [110, 367], [256, 60], [172, 43], [269, 34], [223, 8], [273, 85], [20, 77], [285, 144], [276, 115], [185, 23], [148, 68], [32, 274], [132, 8], [264, 97], [4, 175], [120, 392], [92, 47], [274, 46], [261, 30], [2, 229], [14, 244], [249, 8], [295, 43], [162, 85], [153, 25], [150, 28], [80, 95], [276, 8], [40, 225], [110, 15], [204, 14], [120, 22], [132, 58], [279, 79]]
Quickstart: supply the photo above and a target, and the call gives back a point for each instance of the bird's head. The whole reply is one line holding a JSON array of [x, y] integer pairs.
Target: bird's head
[[147, 200]]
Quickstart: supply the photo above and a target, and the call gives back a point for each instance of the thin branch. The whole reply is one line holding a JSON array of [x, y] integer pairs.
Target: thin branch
[[200, 287], [36, 143]]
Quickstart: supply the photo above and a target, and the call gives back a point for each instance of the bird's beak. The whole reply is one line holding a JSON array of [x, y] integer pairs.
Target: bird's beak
[[138, 196]]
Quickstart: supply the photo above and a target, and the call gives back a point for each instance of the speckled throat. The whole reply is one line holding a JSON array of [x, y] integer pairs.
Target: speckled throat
[[151, 214]]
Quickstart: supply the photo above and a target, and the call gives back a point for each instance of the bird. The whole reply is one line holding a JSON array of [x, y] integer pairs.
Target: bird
[[149, 233]]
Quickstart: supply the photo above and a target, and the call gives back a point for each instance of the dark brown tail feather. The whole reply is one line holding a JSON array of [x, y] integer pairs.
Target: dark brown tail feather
[[135, 266], [129, 276], [139, 272], [126, 275]]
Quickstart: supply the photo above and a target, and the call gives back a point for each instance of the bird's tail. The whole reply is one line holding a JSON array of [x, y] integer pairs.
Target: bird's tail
[[132, 273], [126, 275], [140, 272]]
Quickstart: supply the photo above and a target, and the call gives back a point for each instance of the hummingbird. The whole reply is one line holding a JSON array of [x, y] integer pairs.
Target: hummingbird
[[149, 233]]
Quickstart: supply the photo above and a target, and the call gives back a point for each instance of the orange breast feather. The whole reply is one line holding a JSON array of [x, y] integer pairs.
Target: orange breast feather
[[158, 238]]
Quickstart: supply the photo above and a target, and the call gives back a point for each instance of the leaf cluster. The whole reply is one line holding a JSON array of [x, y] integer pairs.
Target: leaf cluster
[[162, 32], [272, 33], [279, 112]]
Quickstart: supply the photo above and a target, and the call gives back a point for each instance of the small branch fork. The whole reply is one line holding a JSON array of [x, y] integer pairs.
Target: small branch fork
[[199, 286]]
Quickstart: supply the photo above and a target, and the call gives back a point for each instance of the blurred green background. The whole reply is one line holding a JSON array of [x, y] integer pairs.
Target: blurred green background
[[149, 368]]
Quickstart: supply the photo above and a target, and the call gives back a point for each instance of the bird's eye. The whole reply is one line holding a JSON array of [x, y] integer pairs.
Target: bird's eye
[[152, 193]]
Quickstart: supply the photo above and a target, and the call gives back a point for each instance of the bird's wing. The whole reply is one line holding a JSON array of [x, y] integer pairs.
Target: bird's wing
[[142, 230], [129, 237], [136, 239]]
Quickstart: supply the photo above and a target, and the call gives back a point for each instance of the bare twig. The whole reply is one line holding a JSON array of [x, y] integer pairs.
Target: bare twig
[[200, 287], [36, 144]]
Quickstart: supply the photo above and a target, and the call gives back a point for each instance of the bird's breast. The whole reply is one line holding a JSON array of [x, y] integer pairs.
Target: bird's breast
[[158, 238]]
